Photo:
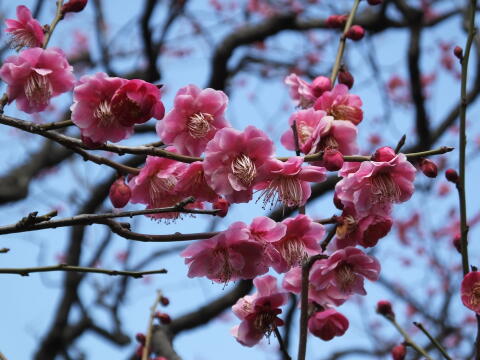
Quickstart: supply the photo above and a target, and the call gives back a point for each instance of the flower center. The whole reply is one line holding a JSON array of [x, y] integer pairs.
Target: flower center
[[327, 142], [198, 125], [225, 271], [265, 322], [304, 133], [103, 114], [293, 251], [38, 89], [21, 38], [384, 189], [244, 169], [475, 298], [287, 189], [346, 227], [345, 276], [159, 187]]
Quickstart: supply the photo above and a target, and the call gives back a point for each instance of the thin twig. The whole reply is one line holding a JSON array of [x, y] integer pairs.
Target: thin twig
[[80, 269], [302, 346], [329, 237], [56, 125], [148, 339], [433, 340], [89, 219], [400, 144], [2, 357], [284, 350], [301, 209], [4, 250], [53, 24]]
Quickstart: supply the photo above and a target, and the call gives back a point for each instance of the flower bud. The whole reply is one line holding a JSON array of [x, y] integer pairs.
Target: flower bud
[[336, 21], [458, 52], [374, 2], [355, 33], [120, 193], [164, 301], [384, 307], [163, 317], [457, 242], [337, 202], [327, 324], [140, 338], [222, 205], [429, 168], [399, 352], [332, 159], [139, 351], [384, 153], [74, 6], [346, 78], [321, 84], [451, 175]]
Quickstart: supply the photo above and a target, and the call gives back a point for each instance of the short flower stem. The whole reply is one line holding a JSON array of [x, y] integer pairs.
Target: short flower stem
[[283, 349], [433, 340], [408, 339], [148, 338], [302, 346]]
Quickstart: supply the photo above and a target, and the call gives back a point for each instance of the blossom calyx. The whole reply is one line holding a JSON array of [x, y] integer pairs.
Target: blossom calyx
[[384, 307]]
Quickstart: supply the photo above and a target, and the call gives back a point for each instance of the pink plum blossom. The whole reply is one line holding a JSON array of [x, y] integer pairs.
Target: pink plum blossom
[[230, 255], [327, 324], [340, 104], [288, 181], [318, 132], [92, 108], [26, 31], [155, 185], [259, 312], [233, 160], [470, 291], [333, 280], [34, 76], [374, 186], [136, 102], [364, 231], [305, 93], [191, 182], [196, 117], [301, 239]]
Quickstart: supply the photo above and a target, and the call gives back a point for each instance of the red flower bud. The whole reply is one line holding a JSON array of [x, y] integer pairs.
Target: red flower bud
[[429, 168], [222, 205], [120, 193], [451, 175], [74, 6], [164, 301], [140, 338], [346, 78], [457, 242], [321, 84], [384, 308], [332, 160], [337, 202], [356, 32], [336, 21], [374, 2], [458, 52], [163, 317], [399, 352], [384, 153]]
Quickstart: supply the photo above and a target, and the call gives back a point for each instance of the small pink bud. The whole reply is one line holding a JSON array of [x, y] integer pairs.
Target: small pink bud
[[336, 21], [458, 52], [429, 168], [384, 153], [346, 78], [140, 338], [74, 6], [384, 307], [332, 160], [451, 175], [327, 324], [321, 84], [120, 193], [356, 32], [163, 317], [222, 205], [337, 202], [374, 2], [164, 301], [399, 352], [457, 242]]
